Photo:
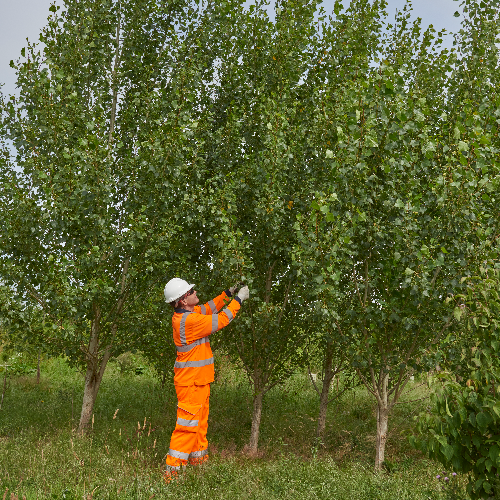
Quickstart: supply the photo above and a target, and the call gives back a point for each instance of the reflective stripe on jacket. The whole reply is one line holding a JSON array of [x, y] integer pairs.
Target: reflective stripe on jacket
[[195, 363]]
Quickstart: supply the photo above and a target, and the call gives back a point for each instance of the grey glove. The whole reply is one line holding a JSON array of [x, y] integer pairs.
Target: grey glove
[[243, 293]]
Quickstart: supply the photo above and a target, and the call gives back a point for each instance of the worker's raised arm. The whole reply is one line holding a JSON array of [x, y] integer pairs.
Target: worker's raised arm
[[214, 305], [197, 326]]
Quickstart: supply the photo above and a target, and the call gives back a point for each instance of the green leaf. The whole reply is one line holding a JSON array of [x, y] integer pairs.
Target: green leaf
[[483, 419], [494, 453], [447, 451], [496, 408], [447, 409]]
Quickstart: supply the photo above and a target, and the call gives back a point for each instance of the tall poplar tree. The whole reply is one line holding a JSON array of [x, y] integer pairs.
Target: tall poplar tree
[[106, 179]]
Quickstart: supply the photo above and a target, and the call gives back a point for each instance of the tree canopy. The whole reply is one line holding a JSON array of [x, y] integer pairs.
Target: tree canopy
[[344, 166]]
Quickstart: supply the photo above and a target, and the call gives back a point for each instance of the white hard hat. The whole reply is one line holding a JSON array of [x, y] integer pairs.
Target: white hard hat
[[175, 289]]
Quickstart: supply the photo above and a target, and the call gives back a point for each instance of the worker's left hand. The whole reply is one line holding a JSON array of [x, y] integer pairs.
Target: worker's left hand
[[235, 289]]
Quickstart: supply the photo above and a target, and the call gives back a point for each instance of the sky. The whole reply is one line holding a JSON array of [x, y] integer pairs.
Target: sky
[[23, 19]]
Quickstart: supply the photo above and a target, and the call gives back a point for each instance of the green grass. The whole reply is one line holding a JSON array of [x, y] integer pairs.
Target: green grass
[[42, 457]]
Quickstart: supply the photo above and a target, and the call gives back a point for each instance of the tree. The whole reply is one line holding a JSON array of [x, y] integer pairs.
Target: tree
[[106, 182], [347, 47], [405, 206], [258, 120]]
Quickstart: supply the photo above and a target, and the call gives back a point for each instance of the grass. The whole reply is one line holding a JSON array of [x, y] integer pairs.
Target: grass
[[123, 455]]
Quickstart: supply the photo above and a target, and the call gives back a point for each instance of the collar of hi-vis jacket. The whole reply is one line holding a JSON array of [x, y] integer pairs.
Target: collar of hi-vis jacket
[[180, 310]]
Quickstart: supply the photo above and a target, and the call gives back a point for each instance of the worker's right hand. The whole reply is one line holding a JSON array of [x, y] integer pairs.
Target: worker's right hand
[[243, 293]]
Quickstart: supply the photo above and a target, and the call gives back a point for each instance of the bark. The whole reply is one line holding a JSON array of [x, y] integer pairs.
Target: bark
[[95, 371], [93, 377], [382, 421], [256, 416], [96, 365], [92, 383], [329, 373], [382, 426]]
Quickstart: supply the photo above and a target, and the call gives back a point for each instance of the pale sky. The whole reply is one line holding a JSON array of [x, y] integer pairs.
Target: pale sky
[[21, 19]]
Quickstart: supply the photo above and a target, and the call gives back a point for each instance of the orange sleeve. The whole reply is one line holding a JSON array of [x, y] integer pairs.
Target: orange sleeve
[[212, 306], [202, 325]]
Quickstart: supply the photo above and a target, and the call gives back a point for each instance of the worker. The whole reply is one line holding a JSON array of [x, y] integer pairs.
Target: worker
[[194, 367]]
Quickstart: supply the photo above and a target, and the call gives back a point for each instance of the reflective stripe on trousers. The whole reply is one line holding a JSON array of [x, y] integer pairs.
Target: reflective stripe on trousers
[[194, 364], [171, 468], [198, 454]]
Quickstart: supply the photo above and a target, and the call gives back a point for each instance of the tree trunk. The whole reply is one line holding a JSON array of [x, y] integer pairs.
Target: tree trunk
[[257, 413], [4, 387], [92, 383], [93, 379], [382, 426], [327, 380], [95, 371], [95, 364], [38, 369], [382, 422]]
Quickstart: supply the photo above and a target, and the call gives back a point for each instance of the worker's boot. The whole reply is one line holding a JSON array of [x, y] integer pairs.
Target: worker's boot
[[170, 475]]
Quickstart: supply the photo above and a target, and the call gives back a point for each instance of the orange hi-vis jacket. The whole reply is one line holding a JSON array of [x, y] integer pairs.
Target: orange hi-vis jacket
[[195, 362]]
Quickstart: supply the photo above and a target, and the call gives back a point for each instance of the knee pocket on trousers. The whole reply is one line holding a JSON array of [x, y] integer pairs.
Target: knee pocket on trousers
[[188, 417]]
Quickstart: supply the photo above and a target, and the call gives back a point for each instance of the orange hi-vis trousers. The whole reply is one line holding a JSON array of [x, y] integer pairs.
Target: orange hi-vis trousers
[[189, 440]]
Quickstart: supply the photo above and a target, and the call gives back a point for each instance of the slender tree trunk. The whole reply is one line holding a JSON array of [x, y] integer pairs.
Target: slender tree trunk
[[95, 371], [4, 387], [93, 378], [382, 421], [92, 383], [327, 380], [382, 426], [95, 363], [256, 416], [38, 369]]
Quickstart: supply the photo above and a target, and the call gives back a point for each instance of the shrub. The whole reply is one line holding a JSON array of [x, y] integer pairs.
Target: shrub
[[462, 429]]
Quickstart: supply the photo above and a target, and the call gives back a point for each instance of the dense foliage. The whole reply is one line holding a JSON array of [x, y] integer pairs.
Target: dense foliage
[[461, 430], [344, 166]]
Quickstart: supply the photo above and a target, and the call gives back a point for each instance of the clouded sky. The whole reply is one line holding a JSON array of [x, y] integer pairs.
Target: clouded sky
[[21, 19]]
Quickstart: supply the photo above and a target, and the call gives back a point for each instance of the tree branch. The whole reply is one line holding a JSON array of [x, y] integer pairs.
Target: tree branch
[[115, 88], [285, 301]]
